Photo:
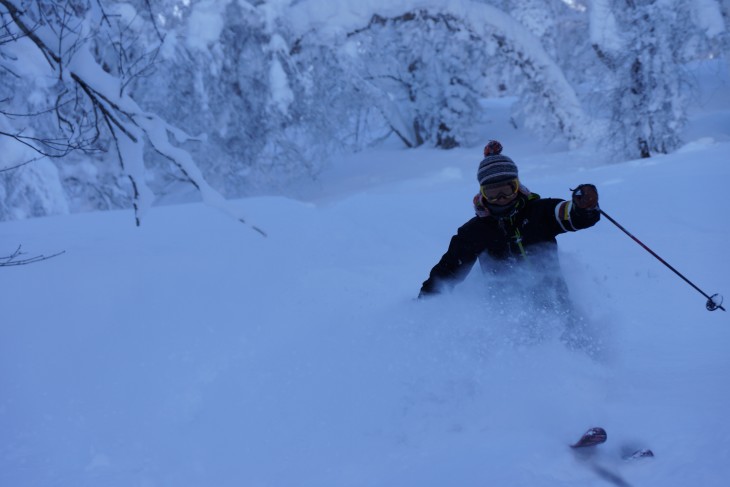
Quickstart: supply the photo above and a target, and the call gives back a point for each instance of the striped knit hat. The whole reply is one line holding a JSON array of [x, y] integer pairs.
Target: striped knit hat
[[495, 168]]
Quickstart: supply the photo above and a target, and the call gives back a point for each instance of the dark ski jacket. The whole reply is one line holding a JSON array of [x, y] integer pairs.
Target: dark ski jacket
[[499, 243]]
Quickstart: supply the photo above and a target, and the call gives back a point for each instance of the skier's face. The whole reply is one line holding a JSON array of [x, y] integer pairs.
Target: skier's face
[[501, 195]]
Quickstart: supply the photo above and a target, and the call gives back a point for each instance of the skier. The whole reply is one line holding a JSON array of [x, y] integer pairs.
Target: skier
[[513, 237]]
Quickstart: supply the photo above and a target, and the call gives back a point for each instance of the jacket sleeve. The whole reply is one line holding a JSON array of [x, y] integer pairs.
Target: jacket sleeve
[[570, 218], [458, 260]]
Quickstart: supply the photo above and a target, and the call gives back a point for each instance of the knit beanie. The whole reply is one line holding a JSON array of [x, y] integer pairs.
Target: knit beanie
[[495, 168]]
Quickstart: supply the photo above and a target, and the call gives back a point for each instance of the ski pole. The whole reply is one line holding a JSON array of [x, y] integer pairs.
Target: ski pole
[[713, 302]]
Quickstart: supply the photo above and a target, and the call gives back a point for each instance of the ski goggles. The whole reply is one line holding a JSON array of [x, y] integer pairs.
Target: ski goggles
[[503, 192]]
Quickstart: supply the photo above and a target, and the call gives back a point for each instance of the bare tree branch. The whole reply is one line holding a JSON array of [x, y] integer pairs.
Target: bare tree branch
[[154, 22], [51, 57], [14, 260], [62, 148], [16, 166]]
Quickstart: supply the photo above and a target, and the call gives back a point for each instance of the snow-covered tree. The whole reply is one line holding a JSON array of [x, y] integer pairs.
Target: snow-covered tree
[[428, 65], [227, 66], [263, 93], [92, 109], [644, 44], [408, 58]]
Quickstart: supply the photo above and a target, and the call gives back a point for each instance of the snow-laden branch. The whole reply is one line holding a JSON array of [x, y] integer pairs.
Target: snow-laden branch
[[484, 23], [131, 127]]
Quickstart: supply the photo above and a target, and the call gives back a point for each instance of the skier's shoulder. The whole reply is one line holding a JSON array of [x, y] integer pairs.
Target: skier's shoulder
[[475, 225], [535, 201], [530, 197], [539, 209]]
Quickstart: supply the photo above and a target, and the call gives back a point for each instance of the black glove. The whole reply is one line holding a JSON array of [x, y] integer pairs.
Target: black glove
[[585, 197]]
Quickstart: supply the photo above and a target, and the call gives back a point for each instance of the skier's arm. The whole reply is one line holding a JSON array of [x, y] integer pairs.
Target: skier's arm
[[580, 212], [458, 260]]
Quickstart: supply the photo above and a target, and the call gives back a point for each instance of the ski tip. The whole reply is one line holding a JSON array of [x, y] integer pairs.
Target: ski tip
[[638, 454], [594, 436]]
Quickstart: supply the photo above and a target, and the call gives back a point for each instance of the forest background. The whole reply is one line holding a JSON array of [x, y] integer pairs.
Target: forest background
[[109, 104]]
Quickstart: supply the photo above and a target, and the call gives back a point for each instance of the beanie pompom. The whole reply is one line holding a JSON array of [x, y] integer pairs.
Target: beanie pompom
[[493, 147]]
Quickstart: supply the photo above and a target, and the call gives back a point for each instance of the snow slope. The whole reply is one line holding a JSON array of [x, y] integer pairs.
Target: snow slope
[[194, 352]]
